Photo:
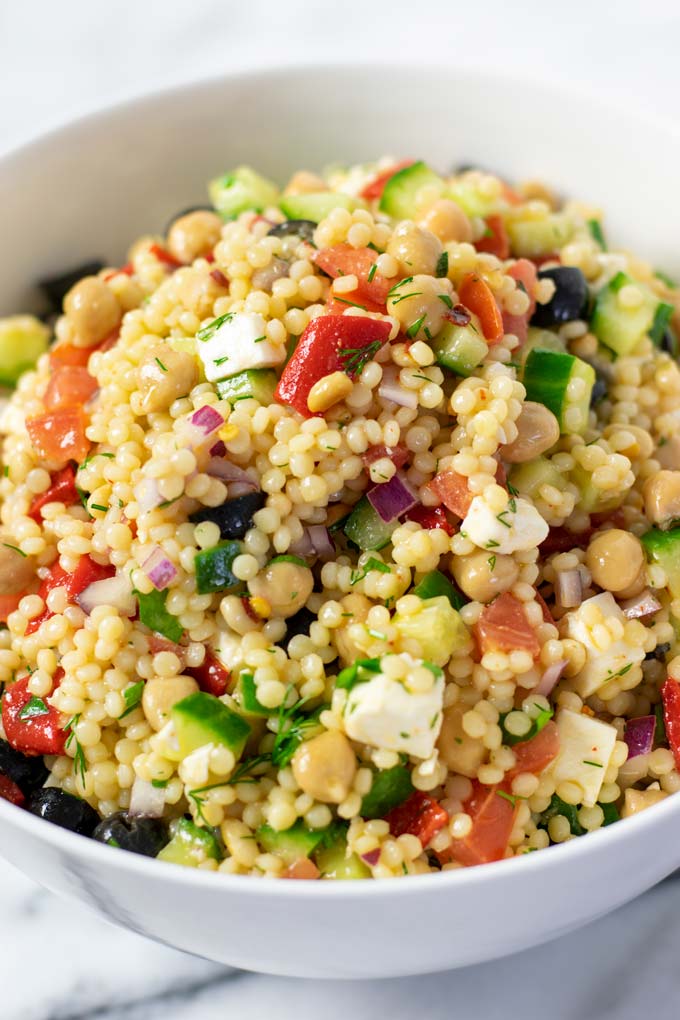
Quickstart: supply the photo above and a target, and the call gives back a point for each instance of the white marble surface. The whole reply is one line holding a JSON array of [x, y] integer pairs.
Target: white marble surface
[[57, 961]]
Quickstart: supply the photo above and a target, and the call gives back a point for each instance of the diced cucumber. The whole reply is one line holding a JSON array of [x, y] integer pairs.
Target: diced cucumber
[[366, 528], [434, 632], [532, 237], [241, 189], [466, 191], [334, 861], [290, 844], [435, 583], [543, 338], [23, 338], [563, 383], [620, 328], [460, 348], [316, 205], [213, 567], [258, 383], [400, 196], [591, 499], [190, 845], [202, 719], [246, 695], [389, 788], [663, 547], [530, 477]]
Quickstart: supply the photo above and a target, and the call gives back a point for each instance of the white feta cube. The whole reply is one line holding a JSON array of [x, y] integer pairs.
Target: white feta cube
[[586, 746], [228, 648], [384, 713], [507, 532], [602, 663], [238, 344]]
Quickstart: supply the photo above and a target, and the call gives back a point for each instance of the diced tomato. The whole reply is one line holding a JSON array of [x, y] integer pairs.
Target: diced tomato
[[375, 188], [536, 754], [452, 489], [60, 435], [430, 518], [303, 868], [82, 577], [503, 626], [420, 815], [344, 260], [36, 734], [10, 791], [339, 305], [330, 343], [163, 255], [397, 454], [8, 603], [495, 241], [62, 490], [211, 676], [477, 296], [493, 811], [68, 354], [68, 387], [524, 272], [670, 696]]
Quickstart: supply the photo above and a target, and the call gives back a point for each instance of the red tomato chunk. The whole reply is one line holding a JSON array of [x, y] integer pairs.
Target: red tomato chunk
[[211, 676], [495, 240], [60, 435], [670, 695], [493, 812], [344, 260], [536, 754], [420, 816], [430, 518], [62, 490], [69, 387], [503, 627], [477, 296], [34, 734]]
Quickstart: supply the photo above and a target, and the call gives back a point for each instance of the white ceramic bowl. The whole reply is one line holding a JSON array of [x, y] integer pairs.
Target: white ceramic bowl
[[88, 190]]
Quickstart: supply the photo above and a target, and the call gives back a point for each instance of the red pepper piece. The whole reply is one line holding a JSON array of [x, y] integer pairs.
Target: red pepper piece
[[430, 517], [62, 490], [452, 489], [670, 695], [477, 296], [503, 626], [10, 791], [375, 188], [420, 815], [84, 575], [37, 734], [343, 260], [331, 343], [495, 241], [163, 255], [493, 811], [397, 454], [211, 676], [8, 603], [536, 754]]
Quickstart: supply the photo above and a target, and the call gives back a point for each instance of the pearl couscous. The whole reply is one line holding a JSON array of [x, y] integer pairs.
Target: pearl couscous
[[339, 531]]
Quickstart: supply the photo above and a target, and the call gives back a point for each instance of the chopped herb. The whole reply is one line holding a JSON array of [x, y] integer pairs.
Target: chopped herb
[[405, 736], [6, 471], [538, 723], [220, 361], [371, 564], [418, 375], [412, 330], [209, 331], [501, 518], [32, 708], [98, 506], [259, 339], [559, 807], [458, 740], [445, 300], [433, 720], [132, 696], [154, 615], [292, 728], [595, 229], [512, 490], [660, 731], [15, 548], [354, 358], [403, 297], [404, 868], [166, 502], [427, 333], [512, 505], [159, 784], [372, 271], [352, 304], [442, 267], [621, 672], [488, 232], [92, 456], [595, 764], [492, 562], [378, 635], [507, 796], [373, 247], [160, 364], [407, 279], [79, 759]]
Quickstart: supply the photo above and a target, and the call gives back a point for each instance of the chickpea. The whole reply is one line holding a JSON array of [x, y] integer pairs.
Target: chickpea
[[194, 234], [482, 575], [537, 431], [324, 767], [163, 376], [16, 570], [355, 608], [459, 752], [447, 221], [638, 800], [417, 249], [423, 301], [285, 586], [93, 311], [661, 493], [198, 291], [616, 561], [161, 693]]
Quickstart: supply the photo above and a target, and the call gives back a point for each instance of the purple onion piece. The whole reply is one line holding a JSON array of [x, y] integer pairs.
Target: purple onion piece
[[372, 857], [639, 735], [159, 569], [392, 499], [207, 419]]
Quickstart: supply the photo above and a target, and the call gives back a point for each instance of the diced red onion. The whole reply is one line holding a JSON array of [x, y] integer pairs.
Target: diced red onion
[[392, 499], [569, 588], [147, 494], [643, 604], [207, 419], [159, 569], [303, 546], [113, 591], [550, 678], [372, 857], [322, 541], [239, 480], [391, 389], [218, 450], [639, 735], [146, 799]]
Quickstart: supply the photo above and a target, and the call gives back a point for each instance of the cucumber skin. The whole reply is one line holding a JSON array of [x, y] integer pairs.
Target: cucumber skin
[[315, 206], [619, 329], [258, 383], [397, 199], [366, 529], [201, 716], [460, 349], [663, 547], [546, 377]]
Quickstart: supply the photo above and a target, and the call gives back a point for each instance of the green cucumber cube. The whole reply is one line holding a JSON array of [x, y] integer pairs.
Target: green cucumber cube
[[202, 719], [23, 338], [190, 845], [663, 547], [290, 844], [241, 189], [620, 328], [258, 383], [400, 195], [460, 348], [316, 205], [366, 528], [213, 567], [550, 377]]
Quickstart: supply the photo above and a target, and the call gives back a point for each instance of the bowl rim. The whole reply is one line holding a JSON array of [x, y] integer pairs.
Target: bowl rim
[[550, 858]]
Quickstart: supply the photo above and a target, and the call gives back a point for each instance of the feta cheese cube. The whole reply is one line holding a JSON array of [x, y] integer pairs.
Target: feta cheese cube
[[602, 661], [228, 648], [586, 746], [506, 532], [238, 344], [383, 712]]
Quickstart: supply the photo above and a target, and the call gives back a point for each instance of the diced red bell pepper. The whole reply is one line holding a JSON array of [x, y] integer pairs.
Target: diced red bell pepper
[[211, 676], [69, 386], [344, 260], [8, 603], [375, 188], [163, 255], [62, 490], [493, 811], [670, 696], [60, 435], [495, 241], [524, 272], [397, 454], [82, 577], [420, 815], [331, 343], [452, 489], [503, 626], [9, 791], [536, 754], [477, 296], [430, 518], [36, 734], [69, 354]]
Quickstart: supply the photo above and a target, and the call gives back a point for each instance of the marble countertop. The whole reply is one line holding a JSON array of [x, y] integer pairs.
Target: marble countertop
[[60, 60]]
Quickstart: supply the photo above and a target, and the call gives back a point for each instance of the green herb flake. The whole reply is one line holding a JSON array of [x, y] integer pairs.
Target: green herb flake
[[160, 364], [15, 548], [259, 339], [492, 563], [34, 707], [595, 764], [346, 301], [355, 358], [79, 759], [159, 784], [220, 361], [413, 329], [407, 279], [501, 519], [665, 278], [98, 506], [6, 471], [445, 300], [292, 728], [372, 271], [207, 332], [442, 267], [507, 796], [596, 233], [132, 696], [492, 543], [371, 564]]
